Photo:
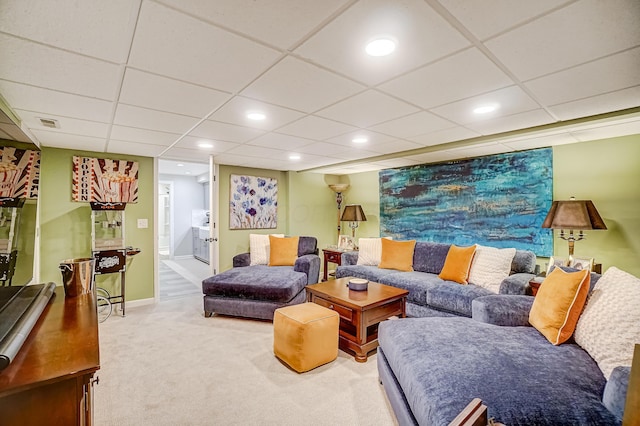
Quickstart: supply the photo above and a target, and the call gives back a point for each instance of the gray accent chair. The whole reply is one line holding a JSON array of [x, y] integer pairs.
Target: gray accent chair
[[256, 291]]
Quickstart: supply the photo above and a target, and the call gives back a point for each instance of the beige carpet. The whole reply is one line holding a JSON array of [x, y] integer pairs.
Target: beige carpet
[[168, 365]]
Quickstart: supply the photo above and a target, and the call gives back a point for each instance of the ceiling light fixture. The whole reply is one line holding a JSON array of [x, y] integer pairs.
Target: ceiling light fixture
[[256, 116], [179, 165], [294, 157], [205, 145], [485, 109], [359, 139], [380, 47]]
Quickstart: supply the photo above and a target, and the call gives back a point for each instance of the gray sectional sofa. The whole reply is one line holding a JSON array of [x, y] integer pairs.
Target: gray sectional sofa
[[428, 294]]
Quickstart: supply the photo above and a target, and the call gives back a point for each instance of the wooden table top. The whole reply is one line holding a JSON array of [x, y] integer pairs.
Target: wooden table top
[[338, 290]]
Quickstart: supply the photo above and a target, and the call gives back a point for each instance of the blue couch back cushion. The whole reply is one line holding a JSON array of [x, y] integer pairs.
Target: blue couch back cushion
[[307, 245]]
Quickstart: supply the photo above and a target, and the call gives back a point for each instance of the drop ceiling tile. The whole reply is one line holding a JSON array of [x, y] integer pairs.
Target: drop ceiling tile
[[268, 164], [301, 86], [259, 152], [344, 153], [396, 162], [68, 141], [218, 146], [23, 62], [144, 136], [594, 78], [558, 40], [216, 130], [236, 110], [317, 128], [373, 138], [422, 36], [511, 100], [180, 46], [413, 125], [394, 146], [614, 101], [67, 125], [320, 148], [134, 148], [230, 159], [131, 116], [279, 141], [44, 101], [165, 94], [100, 28], [281, 22], [489, 17], [460, 76], [367, 108], [522, 120], [435, 157], [540, 141], [444, 136], [185, 154]]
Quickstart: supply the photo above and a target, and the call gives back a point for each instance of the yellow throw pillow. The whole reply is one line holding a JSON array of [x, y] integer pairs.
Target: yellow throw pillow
[[397, 255], [284, 251], [558, 304], [458, 264]]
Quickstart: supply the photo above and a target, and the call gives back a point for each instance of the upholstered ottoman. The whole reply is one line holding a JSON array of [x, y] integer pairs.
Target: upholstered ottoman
[[305, 336]]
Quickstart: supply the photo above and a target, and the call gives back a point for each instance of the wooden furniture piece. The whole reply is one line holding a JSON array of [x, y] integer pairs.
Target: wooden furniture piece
[[535, 284], [332, 256], [474, 414], [360, 311], [631, 416], [50, 381]]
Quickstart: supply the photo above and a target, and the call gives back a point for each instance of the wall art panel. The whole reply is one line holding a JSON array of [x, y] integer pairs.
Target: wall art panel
[[253, 202]]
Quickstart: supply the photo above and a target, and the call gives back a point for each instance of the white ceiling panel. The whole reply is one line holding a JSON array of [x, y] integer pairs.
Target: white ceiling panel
[[536, 117], [460, 76], [320, 148], [67, 125], [215, 130], [575, 34], [317, 128], [134, 148], [179, 46], [173, 167], [614, 101], [301, 86], [46, 101], [259, 152], [230, 159], [422, 36], [155, 92], [413, 125], [393, 146], [444, 136], [185, 154], [540, 141], [372, 138], [276, 140], [217, 148], [236, 111], [70, 141], [278, 22], [102, 29], [131, 116], [23, 62], [367, 108], [133, 134]]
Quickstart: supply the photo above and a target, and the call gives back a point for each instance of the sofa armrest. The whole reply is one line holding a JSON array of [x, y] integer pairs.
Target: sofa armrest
[[310, 265], [349, 258], [502, 309], [242, 259], [615, 391], [517, 284]]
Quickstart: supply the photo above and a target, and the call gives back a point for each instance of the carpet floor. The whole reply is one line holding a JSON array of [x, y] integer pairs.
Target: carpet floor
[[165, 364]]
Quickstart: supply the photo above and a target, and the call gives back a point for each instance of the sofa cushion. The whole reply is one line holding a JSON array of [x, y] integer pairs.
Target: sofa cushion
[[371, 273], [458, 263], [417, 283], [283, 251], [430, 257], [524, 261], [490, 266], [454, 297], [370, 251], [259, 248], [258, 282], [397, 255], [610, 324], [558, 304], [443, 363]]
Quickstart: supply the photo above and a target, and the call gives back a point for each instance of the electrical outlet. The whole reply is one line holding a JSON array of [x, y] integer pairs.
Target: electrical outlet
[[143, 223]]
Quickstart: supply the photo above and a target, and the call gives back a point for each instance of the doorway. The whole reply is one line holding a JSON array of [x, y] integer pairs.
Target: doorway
[[165, 192]]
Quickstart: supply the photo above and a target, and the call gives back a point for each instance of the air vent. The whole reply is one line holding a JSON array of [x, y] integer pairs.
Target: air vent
[[50, 122]]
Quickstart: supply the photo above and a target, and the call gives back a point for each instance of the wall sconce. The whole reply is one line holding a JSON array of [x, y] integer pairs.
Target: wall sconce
[[573, 214], [353, 214], [339, 188]]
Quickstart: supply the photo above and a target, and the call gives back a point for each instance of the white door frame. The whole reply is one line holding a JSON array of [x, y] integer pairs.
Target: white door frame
[[171, 216], [214, 218]]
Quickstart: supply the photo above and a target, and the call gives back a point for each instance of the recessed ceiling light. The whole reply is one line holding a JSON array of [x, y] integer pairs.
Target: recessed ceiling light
[[380, 47], [256, 116], [359, 139], [485, 109], [187, 173], [179, 165], [205, 145], [294, 157]]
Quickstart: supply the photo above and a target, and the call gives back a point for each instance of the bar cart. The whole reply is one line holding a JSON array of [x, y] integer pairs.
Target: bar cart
[[10, 209]]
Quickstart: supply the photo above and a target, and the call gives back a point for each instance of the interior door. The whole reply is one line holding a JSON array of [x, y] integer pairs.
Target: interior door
[[214, 216]]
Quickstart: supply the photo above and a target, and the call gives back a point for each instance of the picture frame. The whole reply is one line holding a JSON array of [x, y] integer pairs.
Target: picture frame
[[581, 263], [557, 262], [345, 242]]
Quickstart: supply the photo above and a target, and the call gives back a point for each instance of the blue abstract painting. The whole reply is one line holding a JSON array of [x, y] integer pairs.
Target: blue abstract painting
[[498, 200]]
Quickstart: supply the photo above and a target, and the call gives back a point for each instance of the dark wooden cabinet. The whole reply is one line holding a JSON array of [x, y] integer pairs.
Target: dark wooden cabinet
[[51, 379]]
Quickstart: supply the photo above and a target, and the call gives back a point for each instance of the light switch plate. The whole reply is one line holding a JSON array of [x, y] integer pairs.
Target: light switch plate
[[143, 223]]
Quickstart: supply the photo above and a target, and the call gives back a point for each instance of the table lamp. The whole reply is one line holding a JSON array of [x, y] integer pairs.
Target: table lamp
[[353, 214]]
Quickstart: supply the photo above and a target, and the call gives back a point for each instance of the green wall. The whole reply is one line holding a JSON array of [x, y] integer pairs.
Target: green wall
[[65, 226]]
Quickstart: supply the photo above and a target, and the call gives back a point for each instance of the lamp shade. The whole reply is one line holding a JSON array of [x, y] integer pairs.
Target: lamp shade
[[353, 213], [573, 214]]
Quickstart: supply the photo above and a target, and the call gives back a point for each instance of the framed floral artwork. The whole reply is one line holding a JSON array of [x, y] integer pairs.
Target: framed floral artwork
[[253, 202]]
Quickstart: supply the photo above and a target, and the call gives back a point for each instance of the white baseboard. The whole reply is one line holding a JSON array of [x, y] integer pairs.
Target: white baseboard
[[183, 257], [140, 302]]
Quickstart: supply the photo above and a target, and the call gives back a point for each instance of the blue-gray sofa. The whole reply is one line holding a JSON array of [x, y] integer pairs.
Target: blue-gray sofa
[[431, 368], [256, 291], [428, 294]]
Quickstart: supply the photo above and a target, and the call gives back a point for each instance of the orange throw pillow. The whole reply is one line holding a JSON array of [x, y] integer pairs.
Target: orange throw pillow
[[558, 304], [458, 264], [397, 255], [284, 251]]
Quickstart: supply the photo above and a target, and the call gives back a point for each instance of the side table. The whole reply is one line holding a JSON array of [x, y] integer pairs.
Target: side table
[[333, 256], [534, 283]]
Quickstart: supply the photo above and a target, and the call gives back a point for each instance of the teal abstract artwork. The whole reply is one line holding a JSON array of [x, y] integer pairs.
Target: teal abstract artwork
[[498, 201]]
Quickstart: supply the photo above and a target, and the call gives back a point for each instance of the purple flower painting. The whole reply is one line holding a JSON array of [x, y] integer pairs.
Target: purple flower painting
[[253, 202]]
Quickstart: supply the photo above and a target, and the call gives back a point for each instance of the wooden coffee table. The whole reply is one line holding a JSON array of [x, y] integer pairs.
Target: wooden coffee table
[[360, 311]]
